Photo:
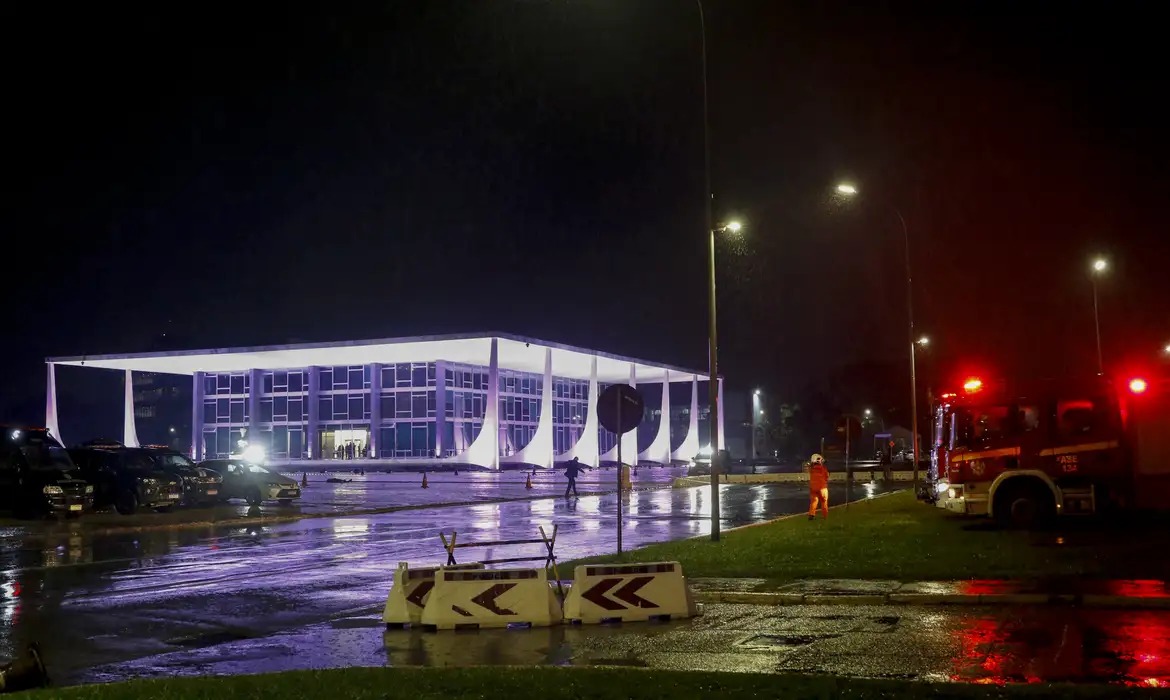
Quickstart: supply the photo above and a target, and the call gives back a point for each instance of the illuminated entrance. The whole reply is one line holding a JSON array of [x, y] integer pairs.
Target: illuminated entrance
[[347, 442]]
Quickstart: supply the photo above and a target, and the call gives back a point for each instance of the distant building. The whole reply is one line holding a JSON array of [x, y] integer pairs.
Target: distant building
[[486, 400]]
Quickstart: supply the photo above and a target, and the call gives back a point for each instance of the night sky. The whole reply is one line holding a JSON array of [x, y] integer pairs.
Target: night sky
[[230, 176]]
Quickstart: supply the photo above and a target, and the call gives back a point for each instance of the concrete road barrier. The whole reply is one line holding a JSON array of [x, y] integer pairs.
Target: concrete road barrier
[[487, 599], [629, 593], [410, 590]]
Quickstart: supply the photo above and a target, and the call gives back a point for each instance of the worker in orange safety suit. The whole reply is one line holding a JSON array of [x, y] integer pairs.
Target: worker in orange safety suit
[[818, 486]]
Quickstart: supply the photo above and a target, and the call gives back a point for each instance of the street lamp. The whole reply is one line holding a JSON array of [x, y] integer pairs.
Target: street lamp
[[1166, 350], [850, 190], [713, 385], [923, 341], [1100, 265]]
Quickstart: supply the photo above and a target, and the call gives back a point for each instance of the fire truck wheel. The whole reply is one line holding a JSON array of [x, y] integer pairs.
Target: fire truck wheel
[[1024, 506]]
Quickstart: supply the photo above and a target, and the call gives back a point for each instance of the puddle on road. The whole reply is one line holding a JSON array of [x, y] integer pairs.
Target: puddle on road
[[209, 639]]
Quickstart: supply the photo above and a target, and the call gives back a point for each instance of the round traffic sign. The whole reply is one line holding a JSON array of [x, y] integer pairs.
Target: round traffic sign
[[619, 408]]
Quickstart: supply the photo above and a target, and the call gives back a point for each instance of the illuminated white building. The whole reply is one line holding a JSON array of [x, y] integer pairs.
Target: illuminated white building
[[483, 400]]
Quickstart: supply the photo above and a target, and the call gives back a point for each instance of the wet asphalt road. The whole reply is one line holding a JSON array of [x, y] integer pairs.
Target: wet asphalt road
[[95, 600], [372, 491], [960, 644]]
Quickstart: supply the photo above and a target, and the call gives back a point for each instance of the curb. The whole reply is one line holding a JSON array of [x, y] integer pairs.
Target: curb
[[985, 599]]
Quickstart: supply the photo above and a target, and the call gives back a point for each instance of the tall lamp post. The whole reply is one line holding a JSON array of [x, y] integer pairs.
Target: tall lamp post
[[1100, 265], [849, 190], [713, 384]]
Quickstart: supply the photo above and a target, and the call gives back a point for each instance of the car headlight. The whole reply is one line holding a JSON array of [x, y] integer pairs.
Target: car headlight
[[89, 489], [150, 482], [52, 491]]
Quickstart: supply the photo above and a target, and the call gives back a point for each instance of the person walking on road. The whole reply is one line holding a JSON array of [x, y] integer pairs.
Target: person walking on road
[[573, 469], [818, 487]]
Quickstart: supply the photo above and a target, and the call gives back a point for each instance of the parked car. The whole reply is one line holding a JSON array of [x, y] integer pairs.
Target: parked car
[[201, 487], [252, 482], [126, 479], [37, 477]]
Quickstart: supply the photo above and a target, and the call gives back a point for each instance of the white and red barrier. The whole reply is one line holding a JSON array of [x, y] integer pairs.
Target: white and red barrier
[[409, 593], [487, 599], [629, 593]]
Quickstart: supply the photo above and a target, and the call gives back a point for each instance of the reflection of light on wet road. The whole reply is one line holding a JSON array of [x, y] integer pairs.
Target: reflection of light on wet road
[[350, 528], [142, 589]]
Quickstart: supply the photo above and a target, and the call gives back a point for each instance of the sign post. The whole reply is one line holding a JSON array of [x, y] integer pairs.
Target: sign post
[[619, 410]]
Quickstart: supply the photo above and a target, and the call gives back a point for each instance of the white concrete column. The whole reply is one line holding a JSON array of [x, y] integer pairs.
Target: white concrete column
[[586, 447], [485, 449], [659, 449], [539, 450], [197, 416], [690, 443], [722, 432], [51, 404], [630, 439], [129, 430]]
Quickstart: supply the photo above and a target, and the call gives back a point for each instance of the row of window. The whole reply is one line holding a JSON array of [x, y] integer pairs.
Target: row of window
[[416, 375], [399, 404]]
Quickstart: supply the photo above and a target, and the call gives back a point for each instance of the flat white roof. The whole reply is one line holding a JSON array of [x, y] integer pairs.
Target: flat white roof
[[515, 353]]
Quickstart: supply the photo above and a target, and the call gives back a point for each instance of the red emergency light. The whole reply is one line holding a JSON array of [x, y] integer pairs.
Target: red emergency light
[[1137, 385], [972, 385]]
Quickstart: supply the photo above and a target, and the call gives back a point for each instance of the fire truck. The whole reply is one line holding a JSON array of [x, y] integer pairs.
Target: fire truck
[[1023, 454]]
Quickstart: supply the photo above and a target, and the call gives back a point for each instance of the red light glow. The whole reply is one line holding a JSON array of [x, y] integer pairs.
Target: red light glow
[[972, 385], [1138, 385]]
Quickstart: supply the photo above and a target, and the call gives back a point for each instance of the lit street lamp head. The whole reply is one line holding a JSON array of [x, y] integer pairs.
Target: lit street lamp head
[[734, 226], [846, 188], [923, 341], [1099, 265], [868, 412]]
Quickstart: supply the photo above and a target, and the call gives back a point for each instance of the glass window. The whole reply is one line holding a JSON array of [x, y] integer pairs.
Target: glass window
[[402, 439], [280, 406], [267, 383], [387, 405], [386, 441], [356, 409], [237, 384], [209, 385], [357, 379], [1081, 419], [223, 384], [222, 410], [296, 409], [403, 376], [418, 405], [388, 376], [209, 412], [296, 381], [265, 410], [325, 408], [418, 440], [237, 411], [325, 379], [418, 376], [278, 381], [430, 404]]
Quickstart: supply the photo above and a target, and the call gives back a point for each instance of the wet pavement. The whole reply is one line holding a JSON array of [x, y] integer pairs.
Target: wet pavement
[[98, 599], [369, 492], [974, 645]]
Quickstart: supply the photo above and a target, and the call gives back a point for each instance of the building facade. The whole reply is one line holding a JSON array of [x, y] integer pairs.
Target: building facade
[[483, 400]]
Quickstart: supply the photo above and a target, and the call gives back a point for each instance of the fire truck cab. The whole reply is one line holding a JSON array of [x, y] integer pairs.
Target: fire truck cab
[[1024, 454]]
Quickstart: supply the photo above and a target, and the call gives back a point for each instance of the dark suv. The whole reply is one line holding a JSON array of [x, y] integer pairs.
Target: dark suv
[[36, 475], [127, 479], [200, 486]]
